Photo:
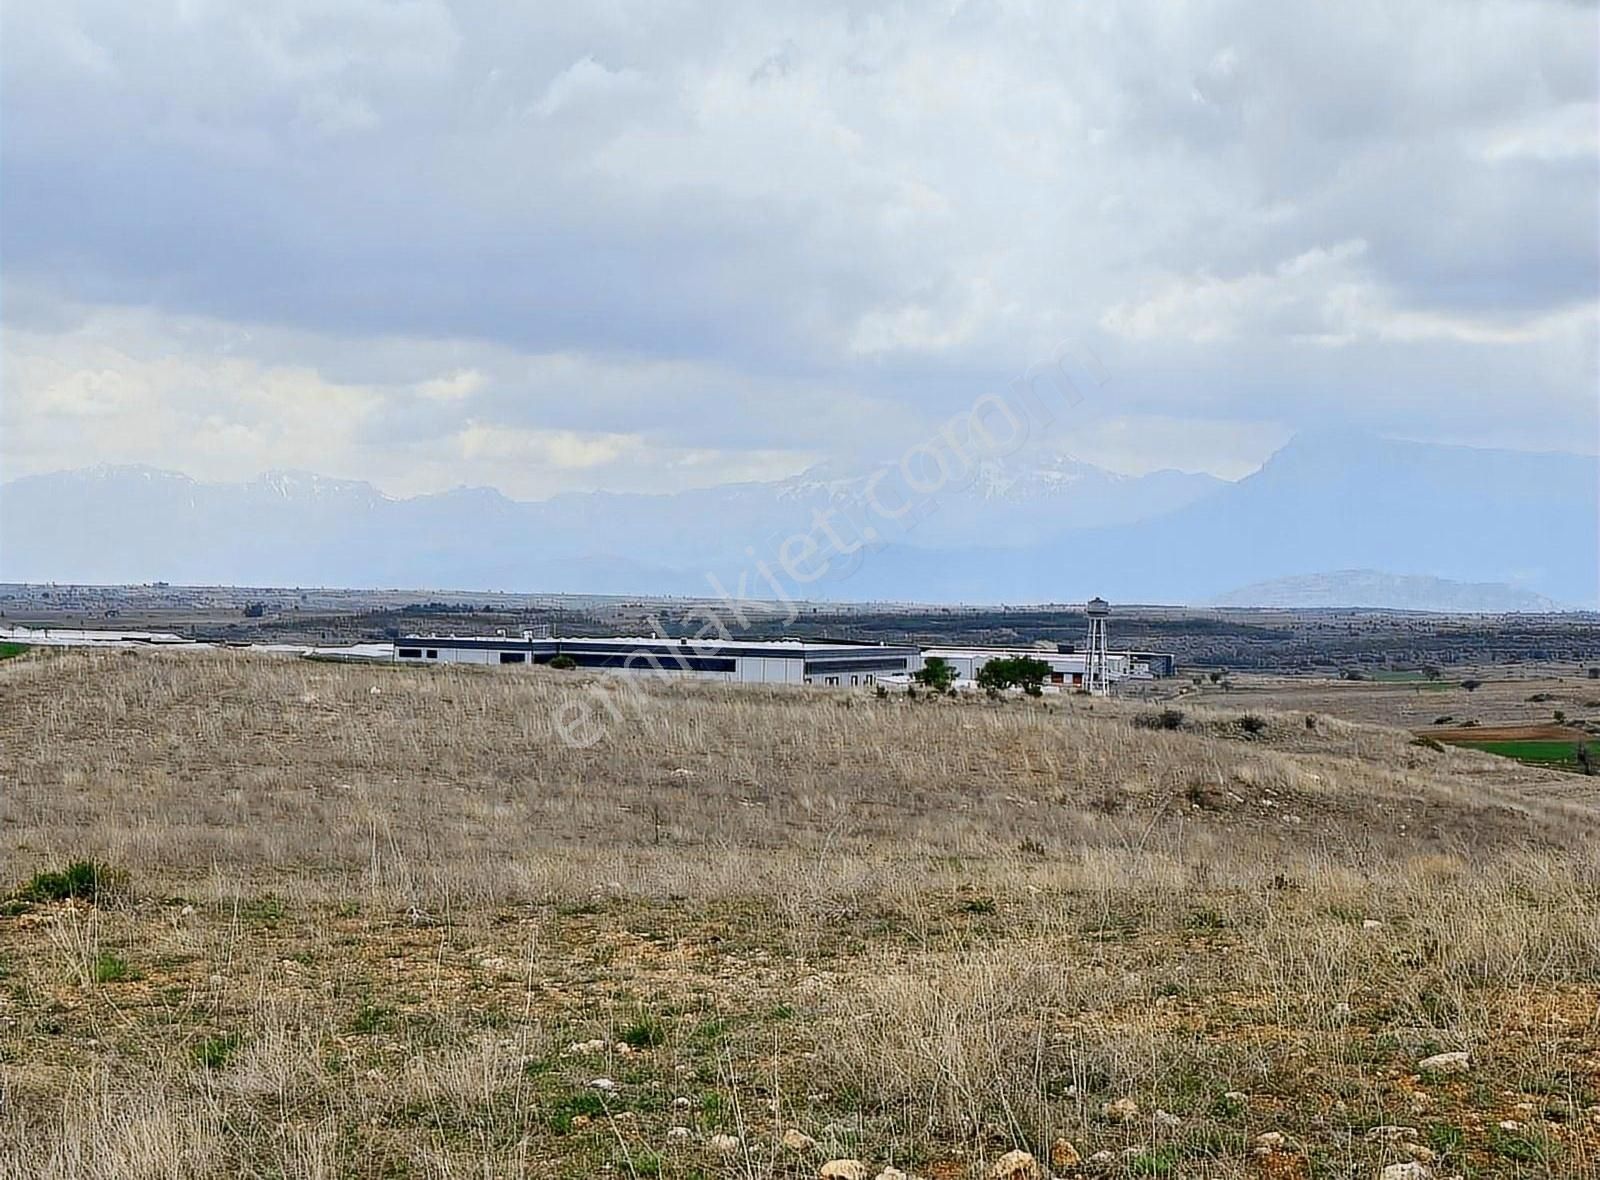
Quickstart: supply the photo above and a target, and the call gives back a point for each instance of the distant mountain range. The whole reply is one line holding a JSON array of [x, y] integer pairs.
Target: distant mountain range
[[1371, 588], [1030, 529]]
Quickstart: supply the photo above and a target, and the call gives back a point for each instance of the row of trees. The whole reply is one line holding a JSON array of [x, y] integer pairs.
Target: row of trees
[[996, 676]]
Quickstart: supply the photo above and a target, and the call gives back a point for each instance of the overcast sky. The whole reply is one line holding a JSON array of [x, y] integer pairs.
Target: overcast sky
[[649, 246]]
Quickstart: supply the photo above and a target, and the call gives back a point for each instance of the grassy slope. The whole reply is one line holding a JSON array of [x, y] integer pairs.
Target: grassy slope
[[368, 911]]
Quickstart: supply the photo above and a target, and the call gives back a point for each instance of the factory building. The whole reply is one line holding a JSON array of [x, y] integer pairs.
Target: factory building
[[1067, 669], [782, 661]]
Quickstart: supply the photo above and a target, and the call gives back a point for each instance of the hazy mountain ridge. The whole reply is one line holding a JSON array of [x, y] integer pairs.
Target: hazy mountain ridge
[[1374, 588], [1033, 530]]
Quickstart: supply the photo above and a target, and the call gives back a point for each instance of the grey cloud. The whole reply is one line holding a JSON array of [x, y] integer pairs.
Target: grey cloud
[[818, 228]]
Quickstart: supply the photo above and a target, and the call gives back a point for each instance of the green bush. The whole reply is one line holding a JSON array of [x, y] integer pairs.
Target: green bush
[[82, 880], [936, 673], [563, 662]]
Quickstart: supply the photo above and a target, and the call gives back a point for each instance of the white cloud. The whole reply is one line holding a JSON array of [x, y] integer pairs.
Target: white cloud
[[694, 234]]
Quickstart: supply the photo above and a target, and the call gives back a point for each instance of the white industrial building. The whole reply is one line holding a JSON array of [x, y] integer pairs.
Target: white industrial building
[[1067, 669], [779, 661]]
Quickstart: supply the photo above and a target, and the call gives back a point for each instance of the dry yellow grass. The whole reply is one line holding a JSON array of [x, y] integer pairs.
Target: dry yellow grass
[[367, 910]]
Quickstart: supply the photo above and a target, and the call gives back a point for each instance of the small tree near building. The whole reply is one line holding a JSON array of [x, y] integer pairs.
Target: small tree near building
[[1022, 672], [936, 673]]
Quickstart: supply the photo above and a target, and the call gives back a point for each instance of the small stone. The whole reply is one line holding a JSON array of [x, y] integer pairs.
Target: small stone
[[843, 1170], [1410, 1170], [1101, 1159], [797, 1140], [892, 1173], [1120, 1111], [1391, 1134], [1423, 1155], [1446, 1063], [1270, 1141], [678, 1134], [1236, 1096], [580, 1121], [1016, 1165], [1166, 1121], [604, 1085], [1510, 1125], [1063, 1156], [724, 1143], [682, 1103]]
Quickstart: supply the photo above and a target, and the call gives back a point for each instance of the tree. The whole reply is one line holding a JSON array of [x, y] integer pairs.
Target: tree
[[1432, 672], [1022, 672], [936, 673], [1471, 685], [1215, 677]]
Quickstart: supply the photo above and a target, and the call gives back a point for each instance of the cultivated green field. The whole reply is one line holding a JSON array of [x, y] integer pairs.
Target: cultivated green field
[[1546, 753]]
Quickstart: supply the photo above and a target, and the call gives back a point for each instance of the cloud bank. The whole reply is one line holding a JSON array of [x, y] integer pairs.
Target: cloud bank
[[649, 247]]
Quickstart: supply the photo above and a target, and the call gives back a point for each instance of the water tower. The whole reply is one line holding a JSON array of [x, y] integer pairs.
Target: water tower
[[1096, 673]]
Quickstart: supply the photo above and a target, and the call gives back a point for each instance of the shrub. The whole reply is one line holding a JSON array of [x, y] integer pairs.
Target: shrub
[[1251, 724], [563, 662], [1471, 685], [1166, 719], [645, 1033], [82, 880]]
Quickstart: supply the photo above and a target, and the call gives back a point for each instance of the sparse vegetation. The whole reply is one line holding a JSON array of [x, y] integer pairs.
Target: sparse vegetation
[[412, 932]]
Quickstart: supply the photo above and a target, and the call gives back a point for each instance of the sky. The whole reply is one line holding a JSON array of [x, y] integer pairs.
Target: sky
[[644, 247]]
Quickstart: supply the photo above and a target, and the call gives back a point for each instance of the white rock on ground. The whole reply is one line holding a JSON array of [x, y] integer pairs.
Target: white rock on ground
[[1166, 1121], [1410, 1170], [724, 1143], [678, 1134], [1391, 1134], [1016, 1165], [797, 1140], [843, 1170], [1446, 1063]]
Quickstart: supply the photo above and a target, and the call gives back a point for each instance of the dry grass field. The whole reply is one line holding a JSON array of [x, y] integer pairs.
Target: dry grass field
[[373, 921]]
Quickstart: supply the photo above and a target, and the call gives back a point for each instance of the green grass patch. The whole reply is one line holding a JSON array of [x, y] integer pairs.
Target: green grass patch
[[1535, 753], [10, 651], [82, 880], [214, 1052], [645, 1033], [112, 968]]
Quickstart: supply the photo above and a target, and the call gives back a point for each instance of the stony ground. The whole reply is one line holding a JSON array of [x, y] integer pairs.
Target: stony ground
[[919, 936]]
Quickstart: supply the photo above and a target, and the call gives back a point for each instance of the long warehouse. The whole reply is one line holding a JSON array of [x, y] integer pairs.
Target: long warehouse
[[781, 661]]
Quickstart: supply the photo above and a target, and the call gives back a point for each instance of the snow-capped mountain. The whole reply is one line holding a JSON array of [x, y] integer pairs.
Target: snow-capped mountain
[[1030, 529]]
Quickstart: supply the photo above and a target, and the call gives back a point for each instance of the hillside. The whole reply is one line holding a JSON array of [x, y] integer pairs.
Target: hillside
[[380, 921]]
